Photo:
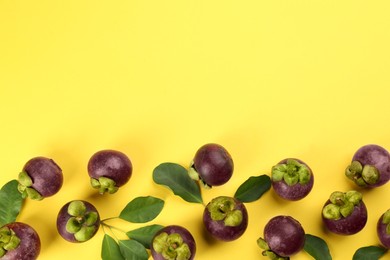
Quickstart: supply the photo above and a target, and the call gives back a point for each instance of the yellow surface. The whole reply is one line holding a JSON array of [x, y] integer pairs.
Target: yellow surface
[[158, 79]]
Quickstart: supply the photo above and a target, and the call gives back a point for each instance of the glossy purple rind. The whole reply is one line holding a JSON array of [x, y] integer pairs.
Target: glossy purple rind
[[284, 235], [214, 164]]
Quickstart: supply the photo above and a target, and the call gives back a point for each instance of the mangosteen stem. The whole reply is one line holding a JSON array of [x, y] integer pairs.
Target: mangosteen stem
[[267, 251], [341, 204], [193, 173], [171, 246], [362, 175], [25, 187], [223, 208], [8, 240], [292, 172], [196, 177], [386, 221], [104, 184], [82, 222]]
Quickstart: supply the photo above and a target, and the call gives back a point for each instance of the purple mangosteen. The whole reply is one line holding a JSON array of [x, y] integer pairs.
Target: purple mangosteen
[[212, 164], [109, 170], [370, 166], [345, 213], [292, 179], [41, 177]]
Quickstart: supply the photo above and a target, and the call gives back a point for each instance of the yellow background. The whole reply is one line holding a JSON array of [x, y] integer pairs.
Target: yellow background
[[158, 79]]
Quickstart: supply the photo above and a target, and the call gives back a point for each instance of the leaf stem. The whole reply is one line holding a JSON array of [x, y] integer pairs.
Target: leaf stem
[[111, 227]]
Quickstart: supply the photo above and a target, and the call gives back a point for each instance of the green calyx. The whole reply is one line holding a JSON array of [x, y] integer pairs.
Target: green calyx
[[292, 172], [171, 247], [82, 223], [342, 204], [268, 252], [8, 240], [224, 208], [196, 177], [104, 184], [386, 220], [25, 187], [362, 175]]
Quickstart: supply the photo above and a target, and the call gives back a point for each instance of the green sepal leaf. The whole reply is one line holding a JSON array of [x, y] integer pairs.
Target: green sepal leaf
[[11, 202], [144, 235], [253, 188], [133, 250], [317, 247], [369, 253], [72, 225], [142, 209], [110, 249], [176, 178]]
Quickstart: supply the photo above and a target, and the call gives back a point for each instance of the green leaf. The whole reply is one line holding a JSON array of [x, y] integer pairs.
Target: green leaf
[[144, 235], [317, 247], [133, 250], [176, 178], [11, 202], [110, 249], [369, 253], [142, 209], [253, 188]]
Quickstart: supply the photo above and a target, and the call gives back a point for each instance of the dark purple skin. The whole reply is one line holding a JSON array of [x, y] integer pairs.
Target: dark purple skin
[[30, 244], [214, 164], [111, 164], [284, 235], [293, 192], [46, 175], [383, 236], [183, 232], [218, 229], [63, 218], [350, 225], [376, 156]]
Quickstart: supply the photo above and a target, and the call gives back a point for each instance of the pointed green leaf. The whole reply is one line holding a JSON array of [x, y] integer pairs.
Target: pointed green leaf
[[176, 178], [11, 202], [253, 188], [144, 235], [110, 249], [142, 209], [317, 247], [132, 250], [369, 253]]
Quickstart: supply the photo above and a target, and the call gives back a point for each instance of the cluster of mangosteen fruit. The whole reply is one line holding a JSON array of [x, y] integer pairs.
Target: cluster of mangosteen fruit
[[225, 218]]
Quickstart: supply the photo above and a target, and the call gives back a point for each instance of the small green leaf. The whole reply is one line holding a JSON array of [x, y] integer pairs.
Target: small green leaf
[[110, 249], [176, 178], [253, 188], [317, 247], [144, 235], [142, 209], [369, 253], [133, 250], [11, 202]]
